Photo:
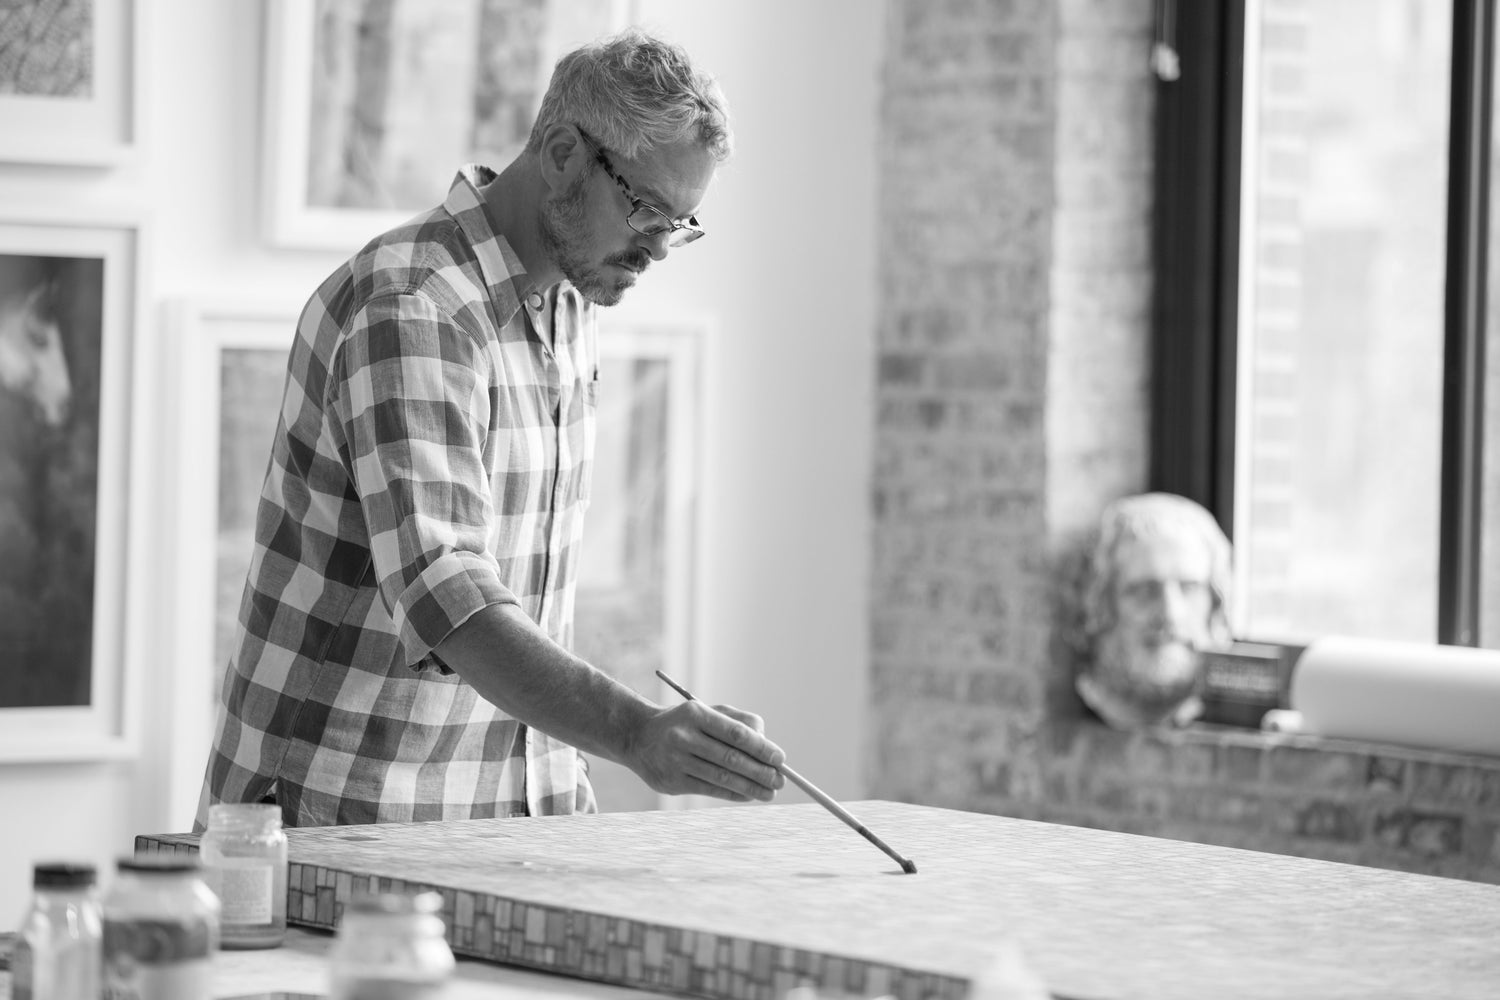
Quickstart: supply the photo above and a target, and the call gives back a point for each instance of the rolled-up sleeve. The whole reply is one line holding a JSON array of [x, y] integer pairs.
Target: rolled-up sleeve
[[411, 401]]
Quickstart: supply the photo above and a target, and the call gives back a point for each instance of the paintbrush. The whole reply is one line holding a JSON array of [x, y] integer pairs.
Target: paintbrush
[[819, 796]]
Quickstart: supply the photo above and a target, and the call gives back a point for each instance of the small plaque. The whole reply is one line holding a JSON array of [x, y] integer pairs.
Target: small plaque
[[1242, 683]]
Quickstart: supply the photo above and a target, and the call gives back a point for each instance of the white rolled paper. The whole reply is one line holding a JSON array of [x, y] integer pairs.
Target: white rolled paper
[[1432, 696]]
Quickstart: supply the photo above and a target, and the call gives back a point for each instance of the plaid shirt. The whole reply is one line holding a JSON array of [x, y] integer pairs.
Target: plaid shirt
[[432, 457]]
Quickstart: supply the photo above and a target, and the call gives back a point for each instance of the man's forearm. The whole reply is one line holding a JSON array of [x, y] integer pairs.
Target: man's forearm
[[688, 748], [516, 667]]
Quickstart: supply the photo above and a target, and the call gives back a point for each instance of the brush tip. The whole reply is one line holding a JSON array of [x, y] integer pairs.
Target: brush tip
[[908, 866]]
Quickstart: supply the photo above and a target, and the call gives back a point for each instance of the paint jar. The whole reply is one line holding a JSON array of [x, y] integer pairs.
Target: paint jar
[[390, 946], [161, 930], [244, 863], [57, 951]]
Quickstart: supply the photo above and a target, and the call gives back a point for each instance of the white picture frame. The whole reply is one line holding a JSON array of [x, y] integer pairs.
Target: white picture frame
[[215, 341], [669, 354], [73, 485], [84, 112], [634, 609], [318, 118]]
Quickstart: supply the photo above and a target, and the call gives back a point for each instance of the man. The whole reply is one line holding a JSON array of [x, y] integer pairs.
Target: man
[[404, 633], [1155, 598]]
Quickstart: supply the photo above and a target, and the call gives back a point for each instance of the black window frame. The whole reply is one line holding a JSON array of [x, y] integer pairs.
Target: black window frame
[[1199, 124]]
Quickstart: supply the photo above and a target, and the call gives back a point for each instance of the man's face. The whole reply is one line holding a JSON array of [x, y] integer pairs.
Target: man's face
[[1163, 603], [583, 229]]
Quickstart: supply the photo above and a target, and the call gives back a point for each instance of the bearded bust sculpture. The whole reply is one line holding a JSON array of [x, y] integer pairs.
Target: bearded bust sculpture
[[1153, 599]]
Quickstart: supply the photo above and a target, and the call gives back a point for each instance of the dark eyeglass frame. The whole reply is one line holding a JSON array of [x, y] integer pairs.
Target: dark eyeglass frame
[[656, 222]]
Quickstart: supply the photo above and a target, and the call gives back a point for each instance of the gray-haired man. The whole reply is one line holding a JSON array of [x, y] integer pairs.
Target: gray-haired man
[[404, 634]]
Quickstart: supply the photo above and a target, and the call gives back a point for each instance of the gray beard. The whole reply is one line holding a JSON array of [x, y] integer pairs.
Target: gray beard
[[562, 235], [1129, 685]]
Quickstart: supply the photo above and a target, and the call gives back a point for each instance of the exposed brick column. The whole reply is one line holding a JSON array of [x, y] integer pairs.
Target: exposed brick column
[[1011, 399]]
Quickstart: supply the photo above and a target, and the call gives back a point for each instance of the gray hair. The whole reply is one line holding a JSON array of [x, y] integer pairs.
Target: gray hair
[[1143, 517], [633, 92]]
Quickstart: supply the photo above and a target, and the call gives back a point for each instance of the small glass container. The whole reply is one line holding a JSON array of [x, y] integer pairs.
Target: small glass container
[[244, 863], [161, 930], [57, 953], [390, 946]]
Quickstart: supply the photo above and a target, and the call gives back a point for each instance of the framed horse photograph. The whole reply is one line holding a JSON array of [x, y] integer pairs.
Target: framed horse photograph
[[70, 508], [70, 75], [372, 106]]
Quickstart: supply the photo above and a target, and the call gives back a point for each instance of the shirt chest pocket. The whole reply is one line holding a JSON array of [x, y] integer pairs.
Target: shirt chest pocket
[[546, 451]]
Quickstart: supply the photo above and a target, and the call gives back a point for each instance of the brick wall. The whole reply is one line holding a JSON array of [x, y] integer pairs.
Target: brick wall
[[1015, 195]]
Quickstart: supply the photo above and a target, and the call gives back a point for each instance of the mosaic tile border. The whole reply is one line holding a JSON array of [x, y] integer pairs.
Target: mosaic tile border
[[614, 950]]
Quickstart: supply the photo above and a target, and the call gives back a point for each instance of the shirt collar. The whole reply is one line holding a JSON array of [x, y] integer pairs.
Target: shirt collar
[[502, 269]]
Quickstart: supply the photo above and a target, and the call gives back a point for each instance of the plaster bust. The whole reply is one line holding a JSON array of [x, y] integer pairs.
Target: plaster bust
[[1155, 596]]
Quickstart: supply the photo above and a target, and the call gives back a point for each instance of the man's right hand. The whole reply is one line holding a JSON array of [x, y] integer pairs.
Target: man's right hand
[[717, 751], [690, 748]]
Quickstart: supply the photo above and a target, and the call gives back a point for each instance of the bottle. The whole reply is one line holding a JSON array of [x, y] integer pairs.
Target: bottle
[[56, 955], [161, 930], [390, 946], [1006, 975], [244, 863]]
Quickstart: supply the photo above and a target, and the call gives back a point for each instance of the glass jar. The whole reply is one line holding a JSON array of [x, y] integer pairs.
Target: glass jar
[[161, 930], [57, 952], [244, 863], [390, 946]]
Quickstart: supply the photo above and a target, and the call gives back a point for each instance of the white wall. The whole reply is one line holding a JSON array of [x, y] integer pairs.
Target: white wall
[[786, 281]]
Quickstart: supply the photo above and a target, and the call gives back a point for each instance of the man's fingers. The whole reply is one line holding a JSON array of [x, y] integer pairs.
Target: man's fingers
[[729, 783], [750, 719], [697, 786], [692, 748], [731, 761], [741, 735]]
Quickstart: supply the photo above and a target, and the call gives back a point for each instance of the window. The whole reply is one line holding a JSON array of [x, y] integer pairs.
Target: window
[[1320, 362]]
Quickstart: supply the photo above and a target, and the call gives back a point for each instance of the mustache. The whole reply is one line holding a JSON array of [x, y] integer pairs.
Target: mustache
[[638, 260], [1174, 637]]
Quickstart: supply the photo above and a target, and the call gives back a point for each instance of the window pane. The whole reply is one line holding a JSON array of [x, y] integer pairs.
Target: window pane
[[1341, 323], [1489, 529]]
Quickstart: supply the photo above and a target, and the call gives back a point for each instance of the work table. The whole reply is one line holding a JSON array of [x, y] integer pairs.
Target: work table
[[300, 965], [745, 902]]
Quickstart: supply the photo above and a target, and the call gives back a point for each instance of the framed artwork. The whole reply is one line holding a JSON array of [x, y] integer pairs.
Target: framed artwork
[[233, 358], [70, 73], [372, 106], [70, 396], [635, 585], [634, 600]]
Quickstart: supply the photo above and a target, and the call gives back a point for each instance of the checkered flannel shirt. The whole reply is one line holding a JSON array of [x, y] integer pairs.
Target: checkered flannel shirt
[[432, 457]]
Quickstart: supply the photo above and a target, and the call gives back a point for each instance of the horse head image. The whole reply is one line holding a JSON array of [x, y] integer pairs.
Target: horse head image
[[32, 362]]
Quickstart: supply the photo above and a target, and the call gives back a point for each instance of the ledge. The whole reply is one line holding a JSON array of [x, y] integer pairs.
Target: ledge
[[1255, 739], [1378, 804]]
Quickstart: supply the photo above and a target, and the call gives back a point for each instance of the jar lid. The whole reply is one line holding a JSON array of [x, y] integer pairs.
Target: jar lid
[[159, 864], [62, 875], [395, 904], [252, 813]]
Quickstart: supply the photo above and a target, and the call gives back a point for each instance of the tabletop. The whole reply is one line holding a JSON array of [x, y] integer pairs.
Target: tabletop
[[748, 901]]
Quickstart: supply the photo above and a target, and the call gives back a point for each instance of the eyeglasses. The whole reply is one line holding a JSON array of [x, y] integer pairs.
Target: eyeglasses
[[645, 218]]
